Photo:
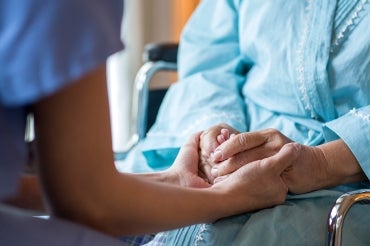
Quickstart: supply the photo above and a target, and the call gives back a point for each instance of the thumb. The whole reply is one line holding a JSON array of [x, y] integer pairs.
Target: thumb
[[284, 158], [190, 148]]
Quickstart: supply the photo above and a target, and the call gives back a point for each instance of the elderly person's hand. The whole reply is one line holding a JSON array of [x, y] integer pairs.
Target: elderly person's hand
[[243, 148], [254, 186], [210, 139], [326, 165], [322, 166], [308, 172]]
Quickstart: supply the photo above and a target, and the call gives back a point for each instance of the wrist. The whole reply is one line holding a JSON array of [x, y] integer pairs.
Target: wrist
[[170, 177], [162, 177], [341, 165]]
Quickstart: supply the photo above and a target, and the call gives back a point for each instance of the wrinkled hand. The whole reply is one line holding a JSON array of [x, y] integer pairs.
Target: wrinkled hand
[[244, 148], [308, 172], [210, 139], [185, 169], [259, 184]]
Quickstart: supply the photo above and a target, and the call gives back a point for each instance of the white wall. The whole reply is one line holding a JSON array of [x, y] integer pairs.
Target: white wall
[[144, 21]]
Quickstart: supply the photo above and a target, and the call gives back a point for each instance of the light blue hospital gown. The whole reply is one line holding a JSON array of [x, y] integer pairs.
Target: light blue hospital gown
[[302, 67], [44, 45]]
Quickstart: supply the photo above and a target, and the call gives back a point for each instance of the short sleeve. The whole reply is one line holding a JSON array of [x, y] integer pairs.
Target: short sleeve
[[45, 44]]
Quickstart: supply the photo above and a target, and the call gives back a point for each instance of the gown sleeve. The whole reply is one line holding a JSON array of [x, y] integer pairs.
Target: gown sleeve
[[354, 129]]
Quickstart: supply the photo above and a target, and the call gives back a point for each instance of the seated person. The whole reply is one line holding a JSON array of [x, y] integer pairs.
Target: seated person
[[297, 67], [55, 68]]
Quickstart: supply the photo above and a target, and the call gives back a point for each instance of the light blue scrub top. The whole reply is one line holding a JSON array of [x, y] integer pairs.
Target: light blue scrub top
[[43, 46], [299, 66]]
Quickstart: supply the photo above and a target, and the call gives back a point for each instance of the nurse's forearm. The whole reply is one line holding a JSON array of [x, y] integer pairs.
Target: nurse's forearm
[[154, 206], [163, 177]]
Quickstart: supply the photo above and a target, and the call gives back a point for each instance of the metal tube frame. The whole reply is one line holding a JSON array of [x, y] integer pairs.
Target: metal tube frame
[[140, 99], [339, 212]]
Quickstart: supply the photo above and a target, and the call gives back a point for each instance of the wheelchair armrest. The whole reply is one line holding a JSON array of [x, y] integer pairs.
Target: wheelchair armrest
[[166, 52], [157, 57], [339, 211]]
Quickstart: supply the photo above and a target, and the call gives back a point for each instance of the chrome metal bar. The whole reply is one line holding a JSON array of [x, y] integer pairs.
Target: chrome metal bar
[[140, 100], [30, 129], [339, 211], [141, 93]]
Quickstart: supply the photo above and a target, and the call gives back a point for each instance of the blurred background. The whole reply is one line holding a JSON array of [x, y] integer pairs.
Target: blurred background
[[145, 21]]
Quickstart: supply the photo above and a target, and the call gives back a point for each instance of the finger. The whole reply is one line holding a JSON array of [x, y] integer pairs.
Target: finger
[[208, 141], [283, 159], [205, 171], [221, 139], [193, 140], [219, 179], [226, 133], [230, 165], [190, 148], [238, 143], [223, 136]]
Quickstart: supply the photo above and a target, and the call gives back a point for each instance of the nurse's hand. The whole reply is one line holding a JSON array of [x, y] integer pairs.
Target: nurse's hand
[[210, 139], [244, 148], [185, 169], [260, 184]]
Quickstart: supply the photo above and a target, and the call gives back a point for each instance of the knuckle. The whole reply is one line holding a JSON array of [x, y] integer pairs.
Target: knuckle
[[272, 131], [262, 163], [242, 139], [292, 148], [289, 148], [274, 134], [276, 138], [279, 144]]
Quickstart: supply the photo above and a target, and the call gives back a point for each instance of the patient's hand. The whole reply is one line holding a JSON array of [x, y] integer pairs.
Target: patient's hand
[[209, 141], [244, 148]]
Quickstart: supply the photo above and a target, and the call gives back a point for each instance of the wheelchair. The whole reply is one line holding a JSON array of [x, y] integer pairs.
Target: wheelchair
[[163, 57]]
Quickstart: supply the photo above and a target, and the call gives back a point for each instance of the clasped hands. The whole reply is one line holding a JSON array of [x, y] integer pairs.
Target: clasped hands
[[223, 151], [251, 170]]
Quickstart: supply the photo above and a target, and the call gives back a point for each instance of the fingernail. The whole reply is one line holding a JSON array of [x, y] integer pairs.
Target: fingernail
[[214, 172]]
